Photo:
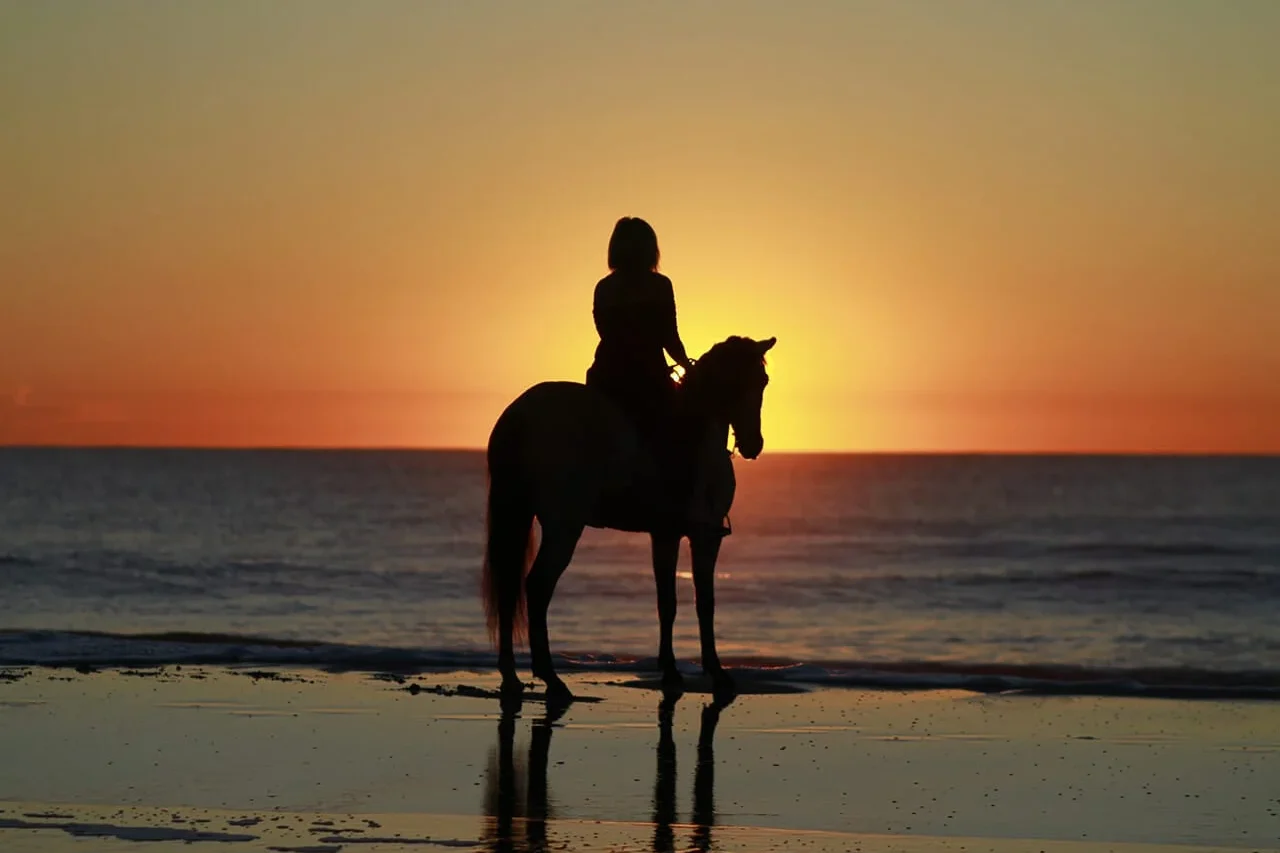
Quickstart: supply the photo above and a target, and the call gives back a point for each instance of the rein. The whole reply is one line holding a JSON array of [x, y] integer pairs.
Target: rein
[[679, 375]]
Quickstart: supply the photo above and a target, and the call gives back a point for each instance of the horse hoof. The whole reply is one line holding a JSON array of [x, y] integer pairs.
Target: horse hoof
[[512, 686], [558, 693], [672, 681]]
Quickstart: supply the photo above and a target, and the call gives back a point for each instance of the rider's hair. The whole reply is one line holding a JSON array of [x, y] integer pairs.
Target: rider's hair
[[633, 246]]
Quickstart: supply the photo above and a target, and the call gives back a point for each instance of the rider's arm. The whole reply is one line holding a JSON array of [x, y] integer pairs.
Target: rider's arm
[[595, 311], [602, 311], [671, 338]]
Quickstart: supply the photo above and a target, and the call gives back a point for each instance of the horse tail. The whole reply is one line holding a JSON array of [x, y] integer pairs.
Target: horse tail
[[510, 546]]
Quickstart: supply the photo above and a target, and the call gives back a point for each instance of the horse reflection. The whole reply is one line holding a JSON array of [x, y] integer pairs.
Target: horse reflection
[[703, 816], [516, 791], [517, 801], [664, 786]]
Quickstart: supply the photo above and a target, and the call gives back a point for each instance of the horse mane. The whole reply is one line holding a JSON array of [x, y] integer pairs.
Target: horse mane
[[719, 362]]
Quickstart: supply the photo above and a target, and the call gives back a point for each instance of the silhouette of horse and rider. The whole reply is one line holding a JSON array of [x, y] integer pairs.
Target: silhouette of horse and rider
[[630, 449], [517, 801]]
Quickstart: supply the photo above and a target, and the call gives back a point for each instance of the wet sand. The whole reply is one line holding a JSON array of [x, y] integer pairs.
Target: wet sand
[[257, 760]]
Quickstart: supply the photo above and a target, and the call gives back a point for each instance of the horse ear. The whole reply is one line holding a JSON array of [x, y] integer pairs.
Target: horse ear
[[765, 346]]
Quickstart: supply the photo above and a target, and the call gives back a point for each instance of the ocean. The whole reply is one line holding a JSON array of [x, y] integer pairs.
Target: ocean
[[1070, 573]]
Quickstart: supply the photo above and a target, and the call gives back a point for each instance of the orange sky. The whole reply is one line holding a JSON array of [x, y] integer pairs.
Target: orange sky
[[971, 225]]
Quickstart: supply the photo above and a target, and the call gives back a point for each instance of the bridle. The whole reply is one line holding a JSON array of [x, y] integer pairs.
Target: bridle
[[679, 377]]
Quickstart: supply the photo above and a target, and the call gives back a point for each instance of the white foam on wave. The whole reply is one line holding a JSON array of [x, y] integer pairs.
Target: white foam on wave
[[92, 650]]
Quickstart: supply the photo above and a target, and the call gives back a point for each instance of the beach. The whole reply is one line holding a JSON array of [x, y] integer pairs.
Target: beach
[[258, 759], [286, 651]]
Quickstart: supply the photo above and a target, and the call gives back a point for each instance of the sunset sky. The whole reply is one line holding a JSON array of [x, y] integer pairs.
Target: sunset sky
[[971, 225]]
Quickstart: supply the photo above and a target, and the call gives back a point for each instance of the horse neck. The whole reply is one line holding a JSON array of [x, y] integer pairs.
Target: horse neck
[[699, 416]]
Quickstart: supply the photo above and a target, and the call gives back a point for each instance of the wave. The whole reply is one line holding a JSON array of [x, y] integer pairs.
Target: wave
[[993, 546], [91, 650], [1138, 550], [1153, 578], [833, 571]]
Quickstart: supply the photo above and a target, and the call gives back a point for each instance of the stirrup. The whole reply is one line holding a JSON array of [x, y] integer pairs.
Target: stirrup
[[722, 529]]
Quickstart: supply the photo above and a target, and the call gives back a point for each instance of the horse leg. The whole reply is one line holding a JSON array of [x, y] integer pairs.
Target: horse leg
[[508, 602], [554, 554], [705, 550], [511, 683], [666, 554]]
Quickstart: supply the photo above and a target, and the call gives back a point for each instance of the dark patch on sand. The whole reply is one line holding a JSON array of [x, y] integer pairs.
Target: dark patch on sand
[[126, 833], [271, 675], [10, 675], [484, 693], [437, 842], [702, 684]]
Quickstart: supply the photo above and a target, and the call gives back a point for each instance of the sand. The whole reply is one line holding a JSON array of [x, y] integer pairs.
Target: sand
[[256, 760]]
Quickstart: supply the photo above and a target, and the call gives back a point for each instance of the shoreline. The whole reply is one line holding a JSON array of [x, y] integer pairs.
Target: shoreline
[[91, 651]]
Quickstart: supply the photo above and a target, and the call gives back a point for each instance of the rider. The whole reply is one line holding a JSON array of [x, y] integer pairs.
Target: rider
[[635, 315]]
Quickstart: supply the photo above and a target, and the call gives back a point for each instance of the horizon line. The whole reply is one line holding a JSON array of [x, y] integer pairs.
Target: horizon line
[[353, 448]]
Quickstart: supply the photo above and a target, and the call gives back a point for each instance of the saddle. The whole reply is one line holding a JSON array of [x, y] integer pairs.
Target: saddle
[[656, 499]]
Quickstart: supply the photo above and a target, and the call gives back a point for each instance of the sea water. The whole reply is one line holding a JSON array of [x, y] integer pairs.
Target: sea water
[[1004, 570]]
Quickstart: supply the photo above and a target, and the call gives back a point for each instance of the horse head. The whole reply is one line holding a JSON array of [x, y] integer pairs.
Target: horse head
[[727, 384]]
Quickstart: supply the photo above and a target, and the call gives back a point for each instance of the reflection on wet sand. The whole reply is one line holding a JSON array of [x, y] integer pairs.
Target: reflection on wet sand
[[703, 816], [664, 786], [517, 801]]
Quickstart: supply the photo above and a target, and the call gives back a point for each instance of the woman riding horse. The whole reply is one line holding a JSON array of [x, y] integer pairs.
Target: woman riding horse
[[563, 454]]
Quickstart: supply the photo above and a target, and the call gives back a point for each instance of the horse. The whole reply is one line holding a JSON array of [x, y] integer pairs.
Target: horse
[[562, 453]]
